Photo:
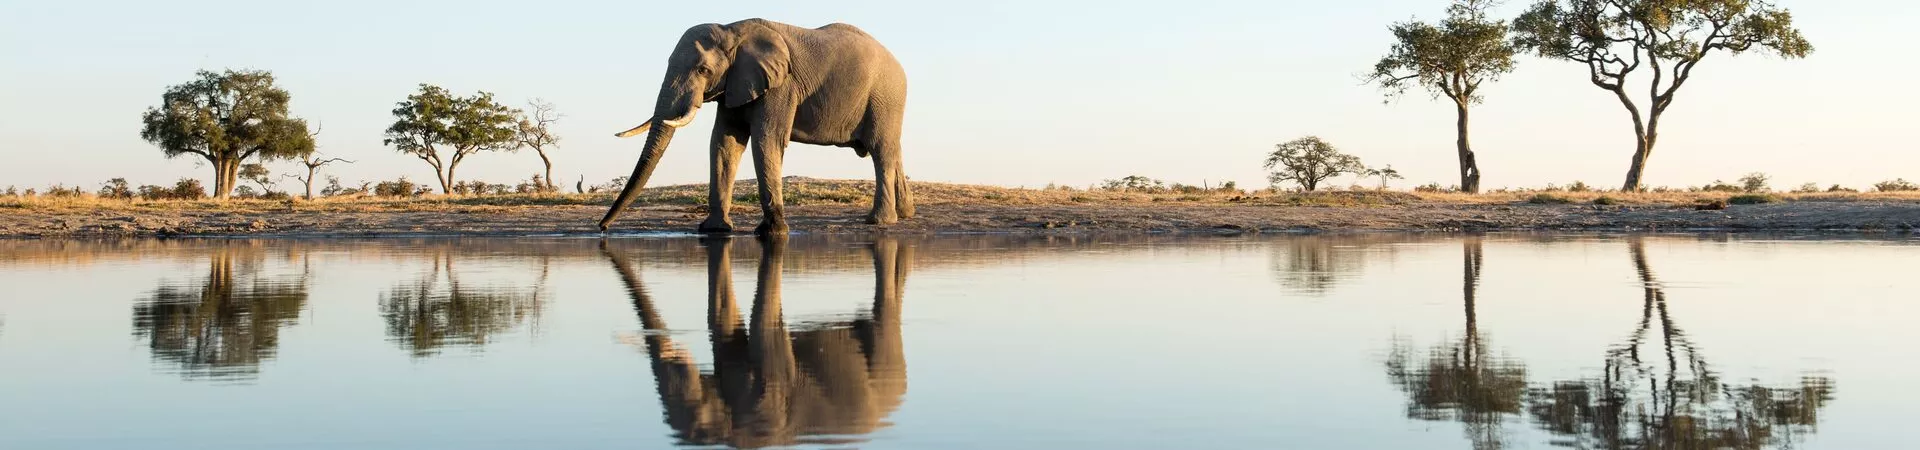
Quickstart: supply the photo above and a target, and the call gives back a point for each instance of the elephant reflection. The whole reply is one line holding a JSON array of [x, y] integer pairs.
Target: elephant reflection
[[223, 326], [1673, 399], [773, 384], [1460, 381], [437, 310]]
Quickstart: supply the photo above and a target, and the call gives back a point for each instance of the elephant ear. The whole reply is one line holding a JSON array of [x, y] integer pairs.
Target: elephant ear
[[760, 65]]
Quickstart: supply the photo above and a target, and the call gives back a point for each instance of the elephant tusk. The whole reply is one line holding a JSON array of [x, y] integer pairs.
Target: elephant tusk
[[683, 121], [635, 131]]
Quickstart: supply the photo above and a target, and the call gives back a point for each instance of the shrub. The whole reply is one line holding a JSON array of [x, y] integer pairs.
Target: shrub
[[1754, 182], [116, 189], [1720, 186], [613, 185], [1579, 186], [245, 192], [1431, 188], [1134, 183], [188, 189], [333, 187], [397, 188], [534, 185], [1896, 185], [10, 192], [1605, 200], [1549, 199], [151, 192], [1752, 199], [64, 191], [1809, 188], [1837, 188]]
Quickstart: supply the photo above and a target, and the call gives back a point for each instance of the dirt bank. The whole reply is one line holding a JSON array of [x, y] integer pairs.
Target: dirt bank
[[307, 220]]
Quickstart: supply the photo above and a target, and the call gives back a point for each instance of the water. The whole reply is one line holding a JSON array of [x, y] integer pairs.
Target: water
[[1310, 342]]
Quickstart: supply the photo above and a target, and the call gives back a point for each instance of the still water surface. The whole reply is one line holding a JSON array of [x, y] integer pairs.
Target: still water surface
[[1390, 341]]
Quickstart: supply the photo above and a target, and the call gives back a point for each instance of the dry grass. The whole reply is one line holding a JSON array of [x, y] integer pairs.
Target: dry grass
[[808, 191]]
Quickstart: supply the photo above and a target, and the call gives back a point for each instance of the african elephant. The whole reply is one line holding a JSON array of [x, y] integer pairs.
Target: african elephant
[[772, 384], [834, 85]]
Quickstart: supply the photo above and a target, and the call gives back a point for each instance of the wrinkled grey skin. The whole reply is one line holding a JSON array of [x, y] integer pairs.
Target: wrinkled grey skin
[[776, 83]]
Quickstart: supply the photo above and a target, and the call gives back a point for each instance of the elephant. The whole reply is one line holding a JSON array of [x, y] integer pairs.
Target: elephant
[[834, 86], [775, 385]]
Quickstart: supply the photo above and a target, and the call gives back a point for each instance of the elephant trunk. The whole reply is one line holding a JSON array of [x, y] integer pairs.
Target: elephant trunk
[[657, 140]]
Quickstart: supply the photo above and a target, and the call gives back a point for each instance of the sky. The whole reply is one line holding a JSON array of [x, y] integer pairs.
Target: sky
[[1014, 93]]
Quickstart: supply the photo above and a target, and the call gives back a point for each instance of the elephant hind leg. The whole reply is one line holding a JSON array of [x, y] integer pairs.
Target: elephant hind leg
[[886, 185], [902, 194]]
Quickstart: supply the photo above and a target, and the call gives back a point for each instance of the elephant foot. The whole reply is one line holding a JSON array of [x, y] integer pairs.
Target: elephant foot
[[712, 226], [770, 227], [883, 218]]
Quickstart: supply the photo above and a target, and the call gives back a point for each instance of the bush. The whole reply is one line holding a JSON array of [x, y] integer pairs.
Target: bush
[[1754, 182], [1579, 186], [613, 185], [1605, 200], [64, 191], [1548, 199], [1134, 183], [534, 185], [1837, 188], [397, 188], [1809, 188], [188, 189], [1752, 199], [245, 192], [1897, 185], [1431, 188], [116, 189], [1720, 186]]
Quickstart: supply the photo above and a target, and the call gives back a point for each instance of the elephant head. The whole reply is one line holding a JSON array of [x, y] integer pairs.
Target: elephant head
[[734, 64]]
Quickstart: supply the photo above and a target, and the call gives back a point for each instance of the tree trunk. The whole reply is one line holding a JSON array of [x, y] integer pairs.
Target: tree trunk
[[221, 186], [309, 181], [549, 163], [1643, 149], [446, 180], [1469, 169]]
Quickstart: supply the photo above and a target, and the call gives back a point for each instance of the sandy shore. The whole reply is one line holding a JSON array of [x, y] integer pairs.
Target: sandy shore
[[293, 220]]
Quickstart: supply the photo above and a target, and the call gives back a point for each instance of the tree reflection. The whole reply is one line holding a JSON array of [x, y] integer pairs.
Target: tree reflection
[[1459, 381], [772, 384], [1673, 399], [438, 310], [225, 325]]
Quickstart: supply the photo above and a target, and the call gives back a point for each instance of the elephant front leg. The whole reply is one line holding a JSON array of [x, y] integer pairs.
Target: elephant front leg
[[769, 151], [729, 140], [890, 201]]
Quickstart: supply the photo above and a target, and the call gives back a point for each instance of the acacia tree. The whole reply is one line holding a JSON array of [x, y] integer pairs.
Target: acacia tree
[[1616, 38], [313, 164], [1451, 60], [1308, 161], [226, 118], [433, 120], [534, 131]]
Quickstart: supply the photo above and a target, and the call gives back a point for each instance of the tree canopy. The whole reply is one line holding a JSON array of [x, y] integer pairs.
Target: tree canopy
[[434, 121], [1309, 161], [1669, 38], [1451, 59], [227, 117]]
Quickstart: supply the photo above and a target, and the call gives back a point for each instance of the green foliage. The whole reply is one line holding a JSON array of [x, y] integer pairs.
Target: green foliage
[[1753, 199], [1451, 59], [1809, 188], [1837, 188], [477, 187], [1721, 186], [1615, 38], [1606, 201], [397, 188], [259, 175], [444, 130], [1385, 174], [1133, 183], [1309, 161], [1432, 188], [185, 189], [1548, 199], [613, 185], [1896, 185], [226, 118], [1755, 182], [116, 189]]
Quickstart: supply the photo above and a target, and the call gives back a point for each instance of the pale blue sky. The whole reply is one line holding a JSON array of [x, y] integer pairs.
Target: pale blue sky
[[1002, 92]]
